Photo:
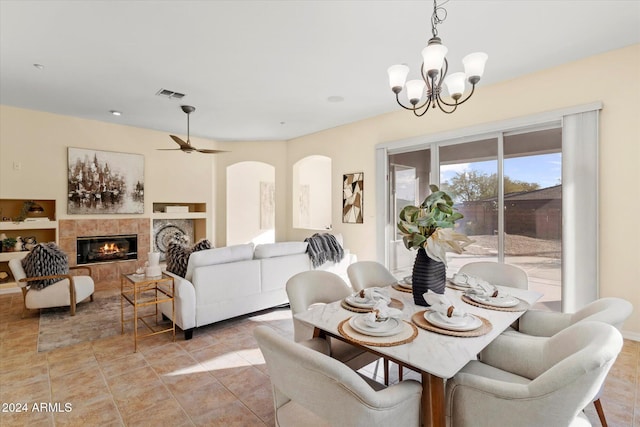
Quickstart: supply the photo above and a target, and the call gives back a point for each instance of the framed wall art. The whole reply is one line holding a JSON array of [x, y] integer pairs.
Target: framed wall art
[[105, 182], [352, 191]]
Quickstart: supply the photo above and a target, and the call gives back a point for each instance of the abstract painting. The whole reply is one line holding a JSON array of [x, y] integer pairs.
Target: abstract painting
[[105, 182], [352, 191], [267, 205]]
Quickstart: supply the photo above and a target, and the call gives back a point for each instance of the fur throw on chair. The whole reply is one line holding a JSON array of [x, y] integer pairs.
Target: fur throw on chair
[[45, 259]]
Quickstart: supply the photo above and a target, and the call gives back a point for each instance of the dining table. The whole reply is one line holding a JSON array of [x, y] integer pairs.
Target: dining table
[[435, 355]]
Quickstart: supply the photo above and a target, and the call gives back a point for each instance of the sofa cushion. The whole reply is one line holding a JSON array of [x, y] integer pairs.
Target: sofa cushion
[[218, 256], [270, 250], [178, 255], [45, 259]]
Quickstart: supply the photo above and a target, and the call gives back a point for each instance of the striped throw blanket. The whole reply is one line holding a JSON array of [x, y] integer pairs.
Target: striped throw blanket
[[324, 247]]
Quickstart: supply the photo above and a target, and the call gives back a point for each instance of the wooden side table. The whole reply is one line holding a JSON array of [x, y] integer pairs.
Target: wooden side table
[[141, 291]]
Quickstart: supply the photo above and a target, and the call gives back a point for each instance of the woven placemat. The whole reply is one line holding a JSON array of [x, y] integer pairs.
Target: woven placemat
[[522, 305], [408, 334], [395, 303], [402, 289], [452, 285], [418, 319]]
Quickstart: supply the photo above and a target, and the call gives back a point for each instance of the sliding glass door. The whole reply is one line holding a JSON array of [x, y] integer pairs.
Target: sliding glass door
[[508, 187]]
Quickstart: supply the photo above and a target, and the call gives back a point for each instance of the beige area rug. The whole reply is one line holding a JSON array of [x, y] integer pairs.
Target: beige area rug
[[93, 320]]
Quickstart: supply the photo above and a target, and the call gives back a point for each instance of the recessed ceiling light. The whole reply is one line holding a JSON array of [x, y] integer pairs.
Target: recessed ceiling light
[[115, 113], [39, 66], [335, 99]]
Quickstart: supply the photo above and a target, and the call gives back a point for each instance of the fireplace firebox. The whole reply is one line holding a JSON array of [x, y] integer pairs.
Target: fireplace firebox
[[93, 249]]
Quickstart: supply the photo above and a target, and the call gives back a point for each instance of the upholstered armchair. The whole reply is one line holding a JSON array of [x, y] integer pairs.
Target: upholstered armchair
[[531, 381], [368, 274], [67, 291], [540, 323], [322, 287], [497, 273], [312, 389]]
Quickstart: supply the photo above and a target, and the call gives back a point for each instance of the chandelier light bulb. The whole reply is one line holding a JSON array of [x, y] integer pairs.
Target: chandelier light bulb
[[455, 85], [397, 76], [433, 57], [415, 90], [474, 65]]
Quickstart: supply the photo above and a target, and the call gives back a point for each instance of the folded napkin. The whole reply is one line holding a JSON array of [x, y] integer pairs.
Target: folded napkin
[[375, 294], [442, 304], [477, 285], [380, 313]]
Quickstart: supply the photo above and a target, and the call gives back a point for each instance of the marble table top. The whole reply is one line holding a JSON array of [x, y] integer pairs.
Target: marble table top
[[437, 354]]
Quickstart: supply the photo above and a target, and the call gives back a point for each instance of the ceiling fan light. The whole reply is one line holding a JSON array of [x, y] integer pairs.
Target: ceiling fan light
[[433, 57], [474, 65], [415, 90], [455, 84], [397, 76]]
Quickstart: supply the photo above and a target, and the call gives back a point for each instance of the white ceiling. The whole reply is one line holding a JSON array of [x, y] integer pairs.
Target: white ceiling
[[264, 70]]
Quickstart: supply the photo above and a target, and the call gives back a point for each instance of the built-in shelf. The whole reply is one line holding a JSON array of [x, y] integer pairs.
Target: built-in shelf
[[195, 214], [8, 256], [43, 229], [180, 215], [28, 225]]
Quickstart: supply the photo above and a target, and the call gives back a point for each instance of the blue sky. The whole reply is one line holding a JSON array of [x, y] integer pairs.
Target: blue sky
[[544, 169]]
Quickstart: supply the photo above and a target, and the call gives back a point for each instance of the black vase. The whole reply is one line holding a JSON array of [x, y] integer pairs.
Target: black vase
[[427, 274]]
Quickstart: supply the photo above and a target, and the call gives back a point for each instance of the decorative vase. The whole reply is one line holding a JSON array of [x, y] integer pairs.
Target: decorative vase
[[153, 268], [427, 274]]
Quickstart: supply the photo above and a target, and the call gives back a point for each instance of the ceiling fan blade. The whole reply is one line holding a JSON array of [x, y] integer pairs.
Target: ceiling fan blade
[[180, 142], [206, 151], [169, 149]]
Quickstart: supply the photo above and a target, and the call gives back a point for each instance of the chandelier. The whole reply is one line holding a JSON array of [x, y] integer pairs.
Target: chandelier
[[434, 74]]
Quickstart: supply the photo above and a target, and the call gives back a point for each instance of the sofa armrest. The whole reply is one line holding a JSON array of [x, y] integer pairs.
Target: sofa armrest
[[185, 303]]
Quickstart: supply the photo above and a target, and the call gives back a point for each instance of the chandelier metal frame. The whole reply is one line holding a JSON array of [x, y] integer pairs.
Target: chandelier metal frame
[[435, 77]]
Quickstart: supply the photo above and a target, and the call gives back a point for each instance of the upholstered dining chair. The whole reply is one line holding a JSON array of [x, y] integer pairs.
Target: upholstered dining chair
[[532, 381], [313, 287], [369, 274], [540, 323], [67, 291], [312, 389], [497, 273]]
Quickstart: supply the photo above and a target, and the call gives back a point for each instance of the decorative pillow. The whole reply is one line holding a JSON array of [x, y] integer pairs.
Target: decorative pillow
[[45, 259], [178, 255]]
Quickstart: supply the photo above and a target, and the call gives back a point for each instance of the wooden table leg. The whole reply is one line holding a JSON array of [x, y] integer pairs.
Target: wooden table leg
[[433, 407], [426, 400], [437, 401]]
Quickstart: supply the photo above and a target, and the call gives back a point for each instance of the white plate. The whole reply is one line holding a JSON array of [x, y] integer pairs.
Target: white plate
[[405, 283], [359, 302], [386, 329], [467, 323], [459, 283], [499, 301]]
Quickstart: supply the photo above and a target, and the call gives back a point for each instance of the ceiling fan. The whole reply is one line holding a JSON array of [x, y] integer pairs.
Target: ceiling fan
[[186, 146]]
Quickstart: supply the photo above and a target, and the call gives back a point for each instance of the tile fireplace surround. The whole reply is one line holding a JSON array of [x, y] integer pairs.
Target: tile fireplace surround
[[106, 272]]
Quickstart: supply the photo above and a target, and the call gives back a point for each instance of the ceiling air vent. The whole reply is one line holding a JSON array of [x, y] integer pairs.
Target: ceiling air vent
[[170, 94]]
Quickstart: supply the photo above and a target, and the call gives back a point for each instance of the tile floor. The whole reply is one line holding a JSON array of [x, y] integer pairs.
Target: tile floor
[[216, 379]]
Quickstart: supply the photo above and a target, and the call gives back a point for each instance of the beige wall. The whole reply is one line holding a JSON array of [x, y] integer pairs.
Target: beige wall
[[611, 78], [39, 141]]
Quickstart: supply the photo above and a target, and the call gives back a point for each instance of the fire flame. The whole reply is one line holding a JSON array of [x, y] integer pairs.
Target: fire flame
[[109, 248]]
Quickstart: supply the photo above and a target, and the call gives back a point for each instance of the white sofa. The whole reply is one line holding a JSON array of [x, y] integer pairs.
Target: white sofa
[[231, 281]]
